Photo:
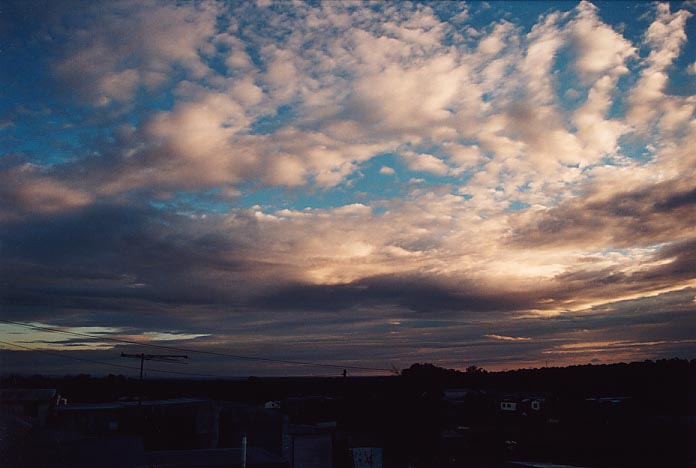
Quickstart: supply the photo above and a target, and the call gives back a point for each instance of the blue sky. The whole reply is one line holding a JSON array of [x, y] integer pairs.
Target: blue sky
[[500, 183]]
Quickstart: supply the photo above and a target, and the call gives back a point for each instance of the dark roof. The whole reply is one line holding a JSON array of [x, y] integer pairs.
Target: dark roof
[[106, 452], [127, 404], [311, 429], [619, 399], [27, 394], [521, 464], [89, 406], [12, 428], [228, 457]]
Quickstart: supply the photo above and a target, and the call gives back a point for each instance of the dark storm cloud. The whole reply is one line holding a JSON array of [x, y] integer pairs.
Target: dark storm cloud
[[678, 200], [672, 264], [109, 257], [109, 262], [657, 213], [683, 256], [417, 293]]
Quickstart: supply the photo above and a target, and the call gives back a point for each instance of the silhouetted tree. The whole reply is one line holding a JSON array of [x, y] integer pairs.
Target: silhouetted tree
[[475, 370]]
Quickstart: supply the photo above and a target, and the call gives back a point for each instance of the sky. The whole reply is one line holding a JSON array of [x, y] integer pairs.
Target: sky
[[360, 185]]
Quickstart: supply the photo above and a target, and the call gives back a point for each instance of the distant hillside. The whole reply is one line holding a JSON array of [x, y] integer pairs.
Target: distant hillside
[[671, 380], [645, 377]]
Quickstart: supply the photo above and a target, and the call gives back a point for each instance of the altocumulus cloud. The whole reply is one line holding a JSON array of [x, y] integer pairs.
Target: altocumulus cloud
[[232, 176]]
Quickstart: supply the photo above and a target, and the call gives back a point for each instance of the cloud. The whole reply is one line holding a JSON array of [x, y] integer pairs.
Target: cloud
[[419, 294], [544, 42], [120, 47], [219, 167], [651, 329], [665, 37], [507, 338], [394, 83], [600, 50], [425, 163], [411, 100], [644, 216], [24, 189]]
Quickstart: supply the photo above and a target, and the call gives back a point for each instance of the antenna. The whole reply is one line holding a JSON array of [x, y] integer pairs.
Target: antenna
[[395, 370]]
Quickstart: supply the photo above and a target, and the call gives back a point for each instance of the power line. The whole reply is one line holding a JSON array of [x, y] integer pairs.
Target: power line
[[93, 361], [197, 351], [68, 357], [174, 358]]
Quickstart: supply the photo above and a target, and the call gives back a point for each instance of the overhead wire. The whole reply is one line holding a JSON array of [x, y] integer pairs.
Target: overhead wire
[[196, 351]]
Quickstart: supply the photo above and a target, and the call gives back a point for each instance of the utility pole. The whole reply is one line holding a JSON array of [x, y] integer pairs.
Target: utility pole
[[244, 451], [174, 358], [155, 357]]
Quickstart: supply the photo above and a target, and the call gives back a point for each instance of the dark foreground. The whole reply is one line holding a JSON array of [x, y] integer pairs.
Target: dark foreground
[[622, 415]]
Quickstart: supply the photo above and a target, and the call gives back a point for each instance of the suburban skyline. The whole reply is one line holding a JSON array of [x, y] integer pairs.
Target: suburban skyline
[[500, 184]]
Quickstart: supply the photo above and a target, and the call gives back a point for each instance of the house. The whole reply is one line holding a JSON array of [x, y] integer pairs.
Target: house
[[455, 395], [208, 458], [89, 418], [537, 404], [608, 401], [310, 445], [523, 464], [106, 452], [525, 404], [508, 405], [13, 429], [367, 457], [191, 432], [183, 423], [262, 427], [31, 403]]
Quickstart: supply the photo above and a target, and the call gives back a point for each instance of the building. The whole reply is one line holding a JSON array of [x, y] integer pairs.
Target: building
[[210, 458], [33, 404], [508, 405], [262, 427], [310, 446]]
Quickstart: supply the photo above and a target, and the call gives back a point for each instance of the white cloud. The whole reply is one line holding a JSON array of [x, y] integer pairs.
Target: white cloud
[[131, 44], [408, 99], [494, 42], [665, 36], [282, 76], [425, 163], [600, 50], [507, 338], [598, 135], [544, 41], [692, 69]]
